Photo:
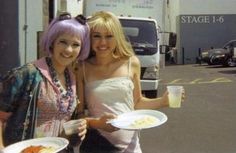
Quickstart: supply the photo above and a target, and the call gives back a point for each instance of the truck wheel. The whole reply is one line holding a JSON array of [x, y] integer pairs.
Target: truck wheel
[[151, 93]]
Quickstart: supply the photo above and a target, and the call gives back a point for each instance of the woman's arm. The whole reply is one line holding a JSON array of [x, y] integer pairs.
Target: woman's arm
[[140, 101], [80, 89], [3, 118], [101, 123], [1, 135]]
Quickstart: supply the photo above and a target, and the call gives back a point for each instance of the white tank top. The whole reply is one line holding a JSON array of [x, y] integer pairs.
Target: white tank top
[[113, 95]]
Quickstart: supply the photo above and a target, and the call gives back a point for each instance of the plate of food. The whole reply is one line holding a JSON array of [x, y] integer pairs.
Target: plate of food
[[139, 119], [38, 145]]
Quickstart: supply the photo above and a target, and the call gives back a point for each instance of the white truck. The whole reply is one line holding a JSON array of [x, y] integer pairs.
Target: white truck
[[141, 30]]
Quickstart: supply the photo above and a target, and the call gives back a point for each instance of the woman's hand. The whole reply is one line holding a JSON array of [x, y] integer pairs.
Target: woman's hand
[[3, 118], [82, 129], [107, 126], [165, 99]]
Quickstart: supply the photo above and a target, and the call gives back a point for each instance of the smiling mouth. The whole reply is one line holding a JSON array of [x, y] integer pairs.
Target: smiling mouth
[[66, 56], [103, 49]]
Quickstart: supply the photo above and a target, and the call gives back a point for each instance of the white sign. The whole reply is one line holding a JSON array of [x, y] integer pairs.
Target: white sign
[[136, 8], [202, 19]]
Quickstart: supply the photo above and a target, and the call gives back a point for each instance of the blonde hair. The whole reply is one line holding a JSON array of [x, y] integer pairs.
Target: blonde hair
[[113, 25]]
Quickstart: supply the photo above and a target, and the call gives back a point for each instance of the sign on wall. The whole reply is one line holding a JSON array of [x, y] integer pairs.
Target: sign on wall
[[199, 32], [136, 8]]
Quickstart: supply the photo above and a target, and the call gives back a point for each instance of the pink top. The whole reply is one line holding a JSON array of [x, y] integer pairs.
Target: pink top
[[49, 119]]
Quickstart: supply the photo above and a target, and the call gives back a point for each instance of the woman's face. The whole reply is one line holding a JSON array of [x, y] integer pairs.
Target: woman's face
[[103, 42], [66, 49]]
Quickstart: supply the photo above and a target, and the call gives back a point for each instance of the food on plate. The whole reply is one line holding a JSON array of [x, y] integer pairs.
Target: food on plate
[[144, 121], [32, 149], [38, 149], [47, 150]]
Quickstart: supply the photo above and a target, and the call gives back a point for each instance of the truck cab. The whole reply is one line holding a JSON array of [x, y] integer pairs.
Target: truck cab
[[143, 36]]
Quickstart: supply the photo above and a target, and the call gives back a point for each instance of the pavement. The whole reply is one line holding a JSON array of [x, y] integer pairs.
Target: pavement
[[206, 121]]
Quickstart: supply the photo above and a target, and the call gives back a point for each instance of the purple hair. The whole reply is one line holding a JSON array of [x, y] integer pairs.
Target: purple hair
[[68, 26]]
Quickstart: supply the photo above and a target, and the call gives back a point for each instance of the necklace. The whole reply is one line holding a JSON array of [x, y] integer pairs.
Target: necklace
[[66, 95]]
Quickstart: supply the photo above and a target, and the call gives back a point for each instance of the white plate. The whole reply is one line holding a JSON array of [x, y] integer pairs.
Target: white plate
[[139, 119], [56, 142]]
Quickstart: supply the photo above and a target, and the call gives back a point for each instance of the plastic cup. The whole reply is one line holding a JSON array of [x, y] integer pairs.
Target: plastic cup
[[175, 96], [71, 127]]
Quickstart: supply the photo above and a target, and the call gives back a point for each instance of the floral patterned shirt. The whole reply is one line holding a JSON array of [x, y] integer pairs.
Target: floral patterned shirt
[[16, 89]]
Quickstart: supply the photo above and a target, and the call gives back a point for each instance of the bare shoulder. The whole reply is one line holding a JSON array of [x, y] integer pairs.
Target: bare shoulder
[[81, 67], [82, 64], [135, 62], [135, 66], [85, 66]]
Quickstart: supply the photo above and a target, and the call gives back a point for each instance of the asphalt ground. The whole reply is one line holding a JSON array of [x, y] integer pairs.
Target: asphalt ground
[[206, 121]]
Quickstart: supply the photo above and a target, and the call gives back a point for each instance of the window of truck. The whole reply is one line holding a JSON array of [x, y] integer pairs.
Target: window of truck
[[142, 35]]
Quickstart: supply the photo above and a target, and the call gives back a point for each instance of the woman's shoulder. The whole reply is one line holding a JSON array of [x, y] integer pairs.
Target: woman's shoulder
[[81, 65], [20, 78], [135, 61], [24, 72], [28, 68]]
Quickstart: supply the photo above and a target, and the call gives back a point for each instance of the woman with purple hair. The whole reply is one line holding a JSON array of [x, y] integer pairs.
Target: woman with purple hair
[[38, 97]]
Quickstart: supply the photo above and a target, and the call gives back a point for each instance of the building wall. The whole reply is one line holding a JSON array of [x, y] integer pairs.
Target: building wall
[[207, 6], [173, 12], [8, 35], [33, 18], [212, 23], [135, 8], [199, 32], [30, 23], [18, 41], [74, 7], [22, 22]]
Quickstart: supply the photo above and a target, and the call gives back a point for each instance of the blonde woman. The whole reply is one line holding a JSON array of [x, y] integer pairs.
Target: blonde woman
[[109, 82]]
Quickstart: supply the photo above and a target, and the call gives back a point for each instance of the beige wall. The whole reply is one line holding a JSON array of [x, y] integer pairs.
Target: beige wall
[[30, 23]]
